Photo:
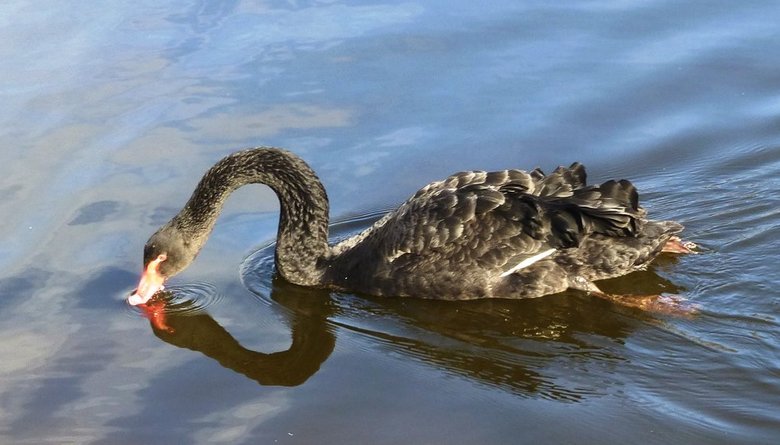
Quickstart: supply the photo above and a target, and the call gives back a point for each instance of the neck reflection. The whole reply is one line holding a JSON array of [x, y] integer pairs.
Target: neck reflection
[[312, 339], [526, 347]]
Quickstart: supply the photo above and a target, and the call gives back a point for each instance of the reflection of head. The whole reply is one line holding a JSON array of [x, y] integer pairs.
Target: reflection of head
[[312, 344]]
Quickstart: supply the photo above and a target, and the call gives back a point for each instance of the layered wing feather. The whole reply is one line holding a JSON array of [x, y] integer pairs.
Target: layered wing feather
[[472, 227]]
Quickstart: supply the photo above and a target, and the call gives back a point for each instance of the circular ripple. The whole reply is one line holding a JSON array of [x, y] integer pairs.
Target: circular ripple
[[183, 299], [257, 272], [258, 269]]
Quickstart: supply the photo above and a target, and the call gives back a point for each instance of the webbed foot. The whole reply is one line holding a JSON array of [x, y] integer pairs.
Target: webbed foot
[[659, 304], [677, 245]]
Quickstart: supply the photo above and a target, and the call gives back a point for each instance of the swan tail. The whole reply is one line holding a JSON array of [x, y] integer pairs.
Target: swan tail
[[562, 182]]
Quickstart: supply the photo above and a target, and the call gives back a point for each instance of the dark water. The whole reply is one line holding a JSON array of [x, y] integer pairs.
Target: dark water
[[112, 111]]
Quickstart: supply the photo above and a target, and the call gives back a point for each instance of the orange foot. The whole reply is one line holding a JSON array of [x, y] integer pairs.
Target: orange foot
[[659, 304], [676, 245]]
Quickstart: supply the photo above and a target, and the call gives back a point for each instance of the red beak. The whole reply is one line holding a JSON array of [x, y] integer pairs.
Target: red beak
[[151, 282]]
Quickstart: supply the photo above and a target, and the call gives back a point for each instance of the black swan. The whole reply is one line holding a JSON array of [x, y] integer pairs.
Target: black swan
[[503, 234]]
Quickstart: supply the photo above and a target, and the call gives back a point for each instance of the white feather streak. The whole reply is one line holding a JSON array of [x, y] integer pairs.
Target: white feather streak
[[528, 261]]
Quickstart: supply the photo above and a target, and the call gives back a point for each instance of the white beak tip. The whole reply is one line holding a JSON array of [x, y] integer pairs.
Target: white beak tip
[[136, 299]]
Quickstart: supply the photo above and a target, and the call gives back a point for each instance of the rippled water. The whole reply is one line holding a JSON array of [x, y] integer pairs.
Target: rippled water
[[111, 113]]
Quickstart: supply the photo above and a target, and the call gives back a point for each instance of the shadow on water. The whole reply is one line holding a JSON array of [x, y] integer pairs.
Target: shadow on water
[[510, 344]]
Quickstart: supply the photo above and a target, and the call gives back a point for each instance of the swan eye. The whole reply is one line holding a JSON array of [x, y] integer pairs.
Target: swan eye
[[161, 257]]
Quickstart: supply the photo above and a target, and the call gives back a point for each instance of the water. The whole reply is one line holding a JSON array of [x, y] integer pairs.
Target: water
[[111, 112]]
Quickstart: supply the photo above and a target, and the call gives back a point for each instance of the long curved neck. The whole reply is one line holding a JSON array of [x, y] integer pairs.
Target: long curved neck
[[302, 239]]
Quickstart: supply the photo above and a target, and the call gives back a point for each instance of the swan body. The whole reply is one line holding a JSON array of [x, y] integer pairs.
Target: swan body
[[475, 234]]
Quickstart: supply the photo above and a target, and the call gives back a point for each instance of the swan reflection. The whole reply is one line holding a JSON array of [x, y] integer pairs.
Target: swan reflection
[[312, 341], [526, 347]]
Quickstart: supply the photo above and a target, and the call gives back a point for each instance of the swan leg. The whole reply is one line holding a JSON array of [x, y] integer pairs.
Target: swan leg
[[660, 304], [676, 245]]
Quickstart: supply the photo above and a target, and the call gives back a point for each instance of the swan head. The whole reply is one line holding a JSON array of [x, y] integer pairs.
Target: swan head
[[166, 254]]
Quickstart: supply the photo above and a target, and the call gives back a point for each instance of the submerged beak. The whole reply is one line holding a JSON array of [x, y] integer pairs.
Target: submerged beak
[[151, 282]]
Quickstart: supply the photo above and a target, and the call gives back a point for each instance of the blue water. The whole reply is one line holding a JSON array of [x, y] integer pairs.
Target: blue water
[[112, 111]]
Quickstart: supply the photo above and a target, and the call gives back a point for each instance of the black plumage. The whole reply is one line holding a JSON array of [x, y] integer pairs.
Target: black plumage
[[505, 234]]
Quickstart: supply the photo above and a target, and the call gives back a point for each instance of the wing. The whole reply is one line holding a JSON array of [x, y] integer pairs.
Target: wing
[[479, 225], [475, 214]]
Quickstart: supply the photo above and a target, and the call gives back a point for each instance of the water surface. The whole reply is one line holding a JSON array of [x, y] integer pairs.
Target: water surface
[[112, 112]]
